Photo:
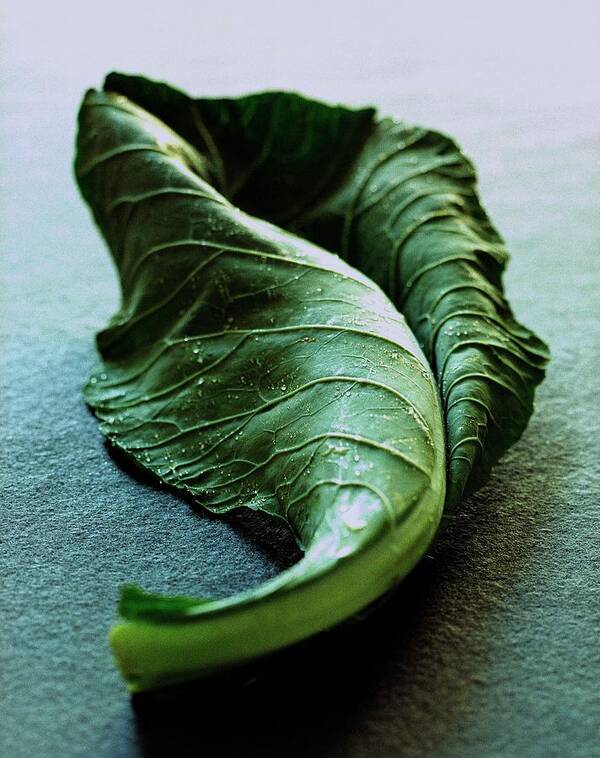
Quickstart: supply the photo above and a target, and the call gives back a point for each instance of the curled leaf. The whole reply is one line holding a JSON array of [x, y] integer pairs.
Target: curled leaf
[[248, 367]]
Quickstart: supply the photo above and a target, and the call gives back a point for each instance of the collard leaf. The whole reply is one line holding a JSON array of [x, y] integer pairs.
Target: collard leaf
[[248, 367], [399, 203]]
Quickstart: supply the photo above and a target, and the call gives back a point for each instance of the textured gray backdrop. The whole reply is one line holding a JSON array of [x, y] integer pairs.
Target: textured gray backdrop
[[491, 647]]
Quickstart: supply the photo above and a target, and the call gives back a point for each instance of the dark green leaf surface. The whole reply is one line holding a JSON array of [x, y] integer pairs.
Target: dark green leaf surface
[[409, 217], [399, 203], [249, 367]]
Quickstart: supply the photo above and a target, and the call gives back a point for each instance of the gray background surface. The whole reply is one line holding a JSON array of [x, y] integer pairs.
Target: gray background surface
[[491, 646]]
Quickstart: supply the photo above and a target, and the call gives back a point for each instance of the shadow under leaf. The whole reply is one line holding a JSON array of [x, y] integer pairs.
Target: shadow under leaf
[[408, 675]]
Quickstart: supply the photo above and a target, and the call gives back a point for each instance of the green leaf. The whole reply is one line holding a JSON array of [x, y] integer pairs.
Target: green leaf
[[248, 367], [398, 202]]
